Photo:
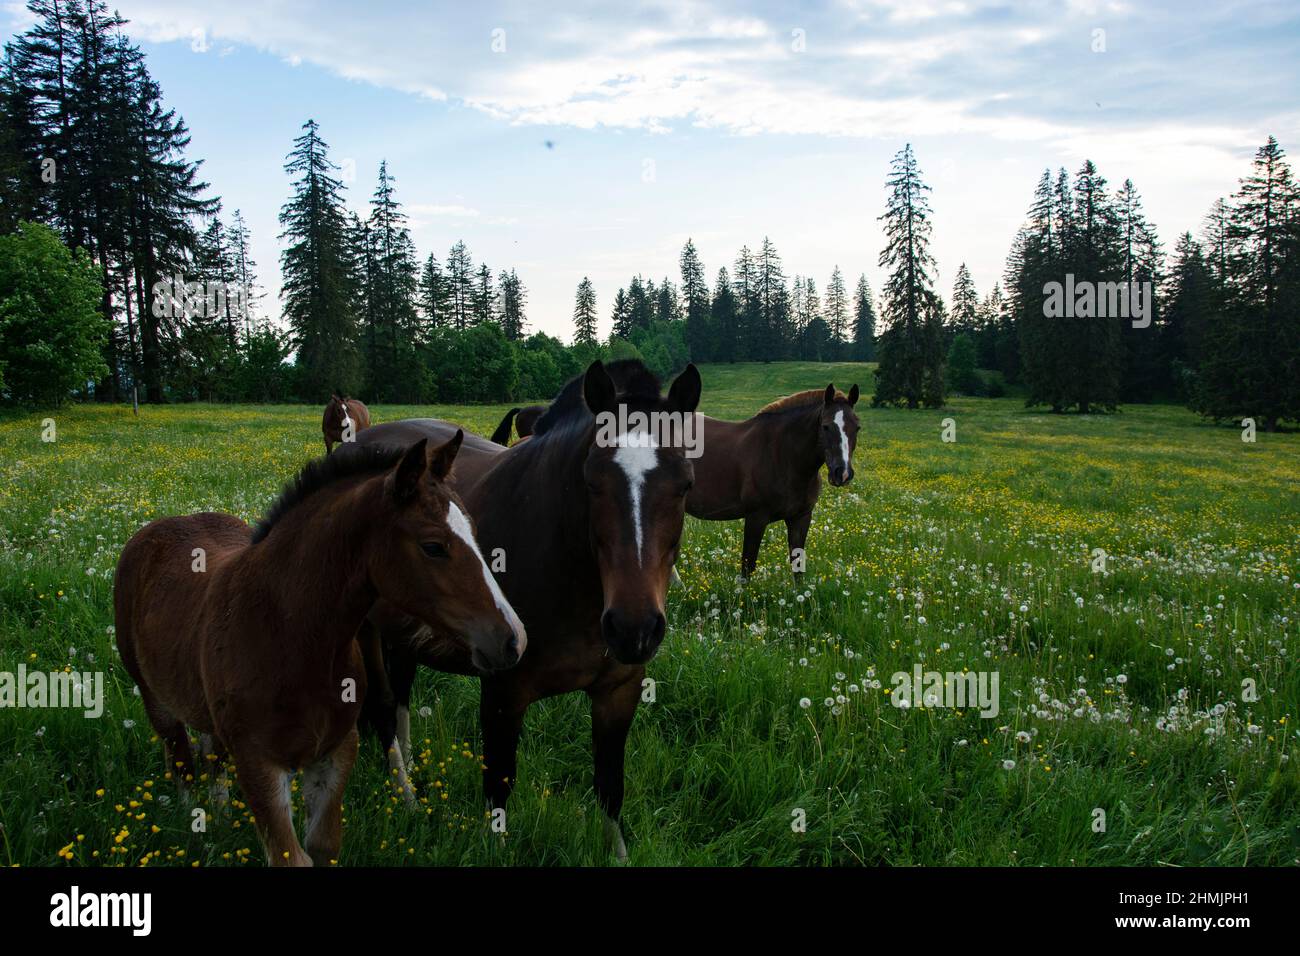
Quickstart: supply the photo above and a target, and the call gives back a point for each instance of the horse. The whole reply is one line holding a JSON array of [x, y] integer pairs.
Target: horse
[[586, 526], [343, 418], [247, 635], [523, 419], [767, 468]]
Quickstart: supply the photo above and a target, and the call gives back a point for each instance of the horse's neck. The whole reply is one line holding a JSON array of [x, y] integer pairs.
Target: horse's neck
[[311, 567], [799, 438], [547, 472]]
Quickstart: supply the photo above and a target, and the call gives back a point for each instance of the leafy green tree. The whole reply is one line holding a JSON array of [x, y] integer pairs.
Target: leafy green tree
[[51, 330], [962, 377]]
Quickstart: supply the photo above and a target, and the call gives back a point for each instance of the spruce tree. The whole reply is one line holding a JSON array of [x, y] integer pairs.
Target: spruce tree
[[513, 298], [864, 322], [695, 295], [725, 316], [460, 285], [910, 348], [584, 313], [315, 271], [1251, 363], [837, 311]]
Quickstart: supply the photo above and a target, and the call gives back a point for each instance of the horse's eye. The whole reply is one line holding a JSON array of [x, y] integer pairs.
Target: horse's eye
[[434, 549]]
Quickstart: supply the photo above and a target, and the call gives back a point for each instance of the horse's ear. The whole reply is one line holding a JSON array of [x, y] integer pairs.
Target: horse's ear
[[684, 396], [441, 458], [830, 393], [853, 395], [405, 480], [598, 389]]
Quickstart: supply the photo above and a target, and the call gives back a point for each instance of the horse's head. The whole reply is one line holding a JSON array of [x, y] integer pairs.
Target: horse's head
[[839, 433], [430, 565], [636, 484]]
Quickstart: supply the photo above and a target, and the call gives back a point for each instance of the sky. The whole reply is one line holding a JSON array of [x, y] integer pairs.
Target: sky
[[594, 139]]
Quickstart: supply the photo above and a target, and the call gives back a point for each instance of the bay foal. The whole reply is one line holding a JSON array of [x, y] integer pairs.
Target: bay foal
[[342, 420], [248, 635], [589, 530]]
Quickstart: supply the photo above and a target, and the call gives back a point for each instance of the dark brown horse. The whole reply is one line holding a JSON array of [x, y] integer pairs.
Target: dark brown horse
[[586, 530], [524, 419], [767, 468], [343, 419], [248, 635]]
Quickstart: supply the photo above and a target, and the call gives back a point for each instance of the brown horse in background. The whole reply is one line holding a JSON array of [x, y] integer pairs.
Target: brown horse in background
[[767, 468], [588, 531], [523, 419], [343, 418], [248, 635]]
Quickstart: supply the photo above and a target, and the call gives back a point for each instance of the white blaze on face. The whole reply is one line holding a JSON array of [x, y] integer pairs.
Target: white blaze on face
[[844, 438], [637, 458], [459, 525], [347, 422]]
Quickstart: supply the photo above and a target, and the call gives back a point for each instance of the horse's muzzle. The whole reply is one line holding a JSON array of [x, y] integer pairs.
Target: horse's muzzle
[[633, 639], [841, 476], [499, 652]]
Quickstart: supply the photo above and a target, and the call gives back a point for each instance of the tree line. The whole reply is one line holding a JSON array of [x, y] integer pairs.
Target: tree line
[[123, 273]]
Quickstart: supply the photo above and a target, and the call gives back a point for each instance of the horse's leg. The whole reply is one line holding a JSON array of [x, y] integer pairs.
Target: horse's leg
[[401, 677], [329, 446], [612, 710], [754, 528], [266, 787], [216, 758], [322, 789], [501, 712], [180, 758], [796, 533]]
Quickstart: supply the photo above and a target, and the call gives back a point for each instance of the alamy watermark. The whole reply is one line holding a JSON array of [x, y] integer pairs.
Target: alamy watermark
[[174, 298], [37, 689], [650, 430], [951, 690], [1098, 300]]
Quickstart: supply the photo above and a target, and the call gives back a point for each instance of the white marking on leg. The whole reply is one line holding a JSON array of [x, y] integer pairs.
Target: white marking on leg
[[319, 783], [396, 764], [844, 439], [459, 525], [614, 837], [637, 459]]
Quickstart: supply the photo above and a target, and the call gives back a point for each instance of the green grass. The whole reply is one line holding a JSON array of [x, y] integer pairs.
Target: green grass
[[1129, 702]]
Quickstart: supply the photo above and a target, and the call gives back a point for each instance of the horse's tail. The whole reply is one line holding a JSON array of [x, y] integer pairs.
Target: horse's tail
[[502, 435]]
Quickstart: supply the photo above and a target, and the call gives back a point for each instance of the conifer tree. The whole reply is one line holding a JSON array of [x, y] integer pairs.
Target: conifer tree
[[317, 283], [910, 349], [584, 313]]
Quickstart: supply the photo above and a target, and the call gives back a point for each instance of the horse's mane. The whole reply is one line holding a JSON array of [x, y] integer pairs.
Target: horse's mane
[[316, 474], [799, 400], [632, 381]]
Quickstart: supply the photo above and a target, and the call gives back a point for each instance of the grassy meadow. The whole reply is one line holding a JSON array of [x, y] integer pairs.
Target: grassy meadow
[[1121, 691]]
